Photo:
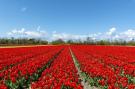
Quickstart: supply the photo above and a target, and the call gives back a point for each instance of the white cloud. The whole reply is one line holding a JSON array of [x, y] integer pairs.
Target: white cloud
[[66, 36], [110, 34], [111, 31], [27, 33], [127, 35]]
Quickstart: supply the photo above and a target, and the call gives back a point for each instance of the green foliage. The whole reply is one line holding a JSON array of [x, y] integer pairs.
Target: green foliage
[[24, 83], [88, 41], [58, 41], [22, 41], [92, 81], [131, 79], [18, 85], [66, 87]]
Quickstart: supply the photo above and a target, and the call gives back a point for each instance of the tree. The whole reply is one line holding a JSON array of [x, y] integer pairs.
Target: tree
[[70, 41], [21, 41], [58, 41]]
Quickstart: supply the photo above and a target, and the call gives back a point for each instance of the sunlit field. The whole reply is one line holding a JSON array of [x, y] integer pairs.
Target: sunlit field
[[67, 67], [67, 44]]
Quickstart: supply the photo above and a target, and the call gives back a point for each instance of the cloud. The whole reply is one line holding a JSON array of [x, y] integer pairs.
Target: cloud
[[111, 31], [23, 9], [27, 33], [64, 36], [111, 34], [127, 35]]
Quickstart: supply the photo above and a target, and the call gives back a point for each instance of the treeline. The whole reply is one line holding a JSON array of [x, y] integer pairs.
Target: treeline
[[22, 41], [88, 41]]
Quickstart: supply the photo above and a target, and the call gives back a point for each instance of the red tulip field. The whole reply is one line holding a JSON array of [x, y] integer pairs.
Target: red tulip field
[[67, 67]]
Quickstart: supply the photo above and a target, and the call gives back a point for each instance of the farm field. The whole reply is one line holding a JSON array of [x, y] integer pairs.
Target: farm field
[[18, 46], [67, 67]]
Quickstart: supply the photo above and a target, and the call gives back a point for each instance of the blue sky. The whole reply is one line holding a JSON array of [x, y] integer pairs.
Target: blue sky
[[52, 19]]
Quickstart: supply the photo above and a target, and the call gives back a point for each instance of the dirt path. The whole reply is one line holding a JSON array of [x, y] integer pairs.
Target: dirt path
[[23, 46], [84, 83]]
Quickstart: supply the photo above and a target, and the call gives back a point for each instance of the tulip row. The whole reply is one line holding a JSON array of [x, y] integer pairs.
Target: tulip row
[[61, 75], [52, 67], [12, 56], [20, 75], [103, 69]]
